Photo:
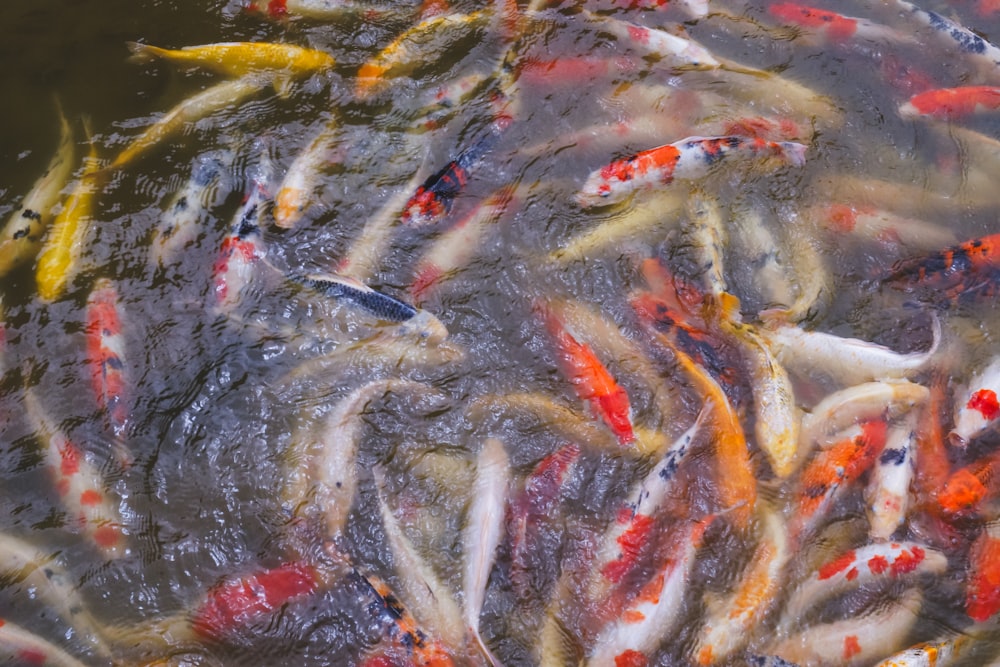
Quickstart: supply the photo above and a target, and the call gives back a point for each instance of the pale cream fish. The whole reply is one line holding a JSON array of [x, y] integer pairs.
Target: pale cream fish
[[939, 653], [975, 157], [423, 592], [847, 361], [42, 576], [888, 492], [707, 239], [675, 49], [870, 400], [296, 194], [730, 622], [858, 640], [59, 260], [23, 647], [813, 277], [776, 416], [881, 225], [484, 528], [22, 234], [187, 213], [876, 563], [182, 118], [934, 196], [976, 406], [761, 258]]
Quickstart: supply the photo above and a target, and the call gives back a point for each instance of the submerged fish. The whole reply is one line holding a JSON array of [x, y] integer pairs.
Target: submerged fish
[[106, 360], [952, 103], [25, 648], [297, 188], [837, 28], [976, 406]]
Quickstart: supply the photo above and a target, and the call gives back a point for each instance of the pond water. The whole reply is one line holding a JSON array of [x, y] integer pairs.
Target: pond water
[[232, 408]]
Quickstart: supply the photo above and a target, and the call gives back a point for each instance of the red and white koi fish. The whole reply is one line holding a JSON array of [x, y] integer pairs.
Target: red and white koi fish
[[878, 562], [79, 484], [982, 596], [888, 492], [186, 214], [25, 648], [638, 631], [940, 653], [967, 488], [319, 10], [952, 103], [686, 159], [836, 28], [243, 249], [728, 626], [591, 378], [296, 190], [976, 406], [675, 49], [456, 246], [534, 505], [47, 580], [835, 468], [106, 360], [423, 591], [871, 400], [22, 235], [631, 532], [235, 604], [855, 641], [482, 534], [848, 361]]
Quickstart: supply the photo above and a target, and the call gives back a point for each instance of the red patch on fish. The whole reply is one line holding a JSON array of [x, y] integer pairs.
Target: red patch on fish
[[839, 28], [836, 566], [631, 658], [878, 564], [851, 646], [985, 403], [907, 561], [951, 103], [32, 657], [69, 459], [630, 543], [90, 497], [234, 603], [983, 594], [107, 536], [842, 217]]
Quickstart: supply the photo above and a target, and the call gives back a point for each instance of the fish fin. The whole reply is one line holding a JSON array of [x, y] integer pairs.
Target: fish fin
[[143, 53], [283, 86], [484, 649]]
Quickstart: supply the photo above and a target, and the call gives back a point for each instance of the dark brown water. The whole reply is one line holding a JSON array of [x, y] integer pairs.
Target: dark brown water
[[212, 414]]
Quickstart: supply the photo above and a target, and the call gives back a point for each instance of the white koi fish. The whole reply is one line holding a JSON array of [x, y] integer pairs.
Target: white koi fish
[[483, 531], [888, 492], [976, 406], [676, 50], [25, 648]]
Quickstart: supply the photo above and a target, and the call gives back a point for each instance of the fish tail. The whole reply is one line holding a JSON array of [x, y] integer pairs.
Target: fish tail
[[794, 152], [144, 53]]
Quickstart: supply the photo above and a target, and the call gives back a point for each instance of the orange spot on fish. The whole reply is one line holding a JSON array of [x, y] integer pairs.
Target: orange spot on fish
[[631, 658], [630, 544], [907, 561], [633, 616], [69, 460], [839, 28], [90, 497], [851, 646], [836, 566], [962, 492], [878, 564], [107, 536]]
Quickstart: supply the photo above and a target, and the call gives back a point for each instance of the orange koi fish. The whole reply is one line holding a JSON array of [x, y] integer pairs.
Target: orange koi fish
[[79, 484], [686, 159], [952, 103], [837, 467], [591, 378], [234, 604], [105, 357], [932, 465], [982, 597], [976, 406], [969, 487], [836, 28]]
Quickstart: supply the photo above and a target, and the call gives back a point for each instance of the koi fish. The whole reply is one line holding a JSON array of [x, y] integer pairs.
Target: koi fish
[[940, 653], [707, 238], [835, 468], [220, 97], [187, 211], [967, 488], [728, 626], [952, 103], [653, 41], [374, 302], [653, 612], [976, 406], [848, 361], [293, 198], [283, 62], [888, 492], [79, 484], [433, 200], [319, 10], [444, 101], [483, 530], [570, 71], [836, 28], [855, 641], [687, 159], [959, 271], [23, 647], [591, 379], [21, 236], [877, 562], [533, 506], [982, 596], [871, 400], [422, 43], [236, 603], [58, 260], [961, 39], [106, 359], [456, 246], [44, 575], [764, 255]]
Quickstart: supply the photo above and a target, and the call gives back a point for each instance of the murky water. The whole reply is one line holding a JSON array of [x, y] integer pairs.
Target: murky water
[[222, 406]]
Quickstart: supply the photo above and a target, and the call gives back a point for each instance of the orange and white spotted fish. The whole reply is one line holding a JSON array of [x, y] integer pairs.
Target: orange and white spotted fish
[[976, 406], [106, 360], [952, 103], [79, 484], [687, 159], [939, 653]]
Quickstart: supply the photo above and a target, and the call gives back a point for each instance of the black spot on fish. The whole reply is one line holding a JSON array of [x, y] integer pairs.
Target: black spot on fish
[[21, 233], [181, 205], [31, 215], [670, 469], [894, 456], [965, 40]]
